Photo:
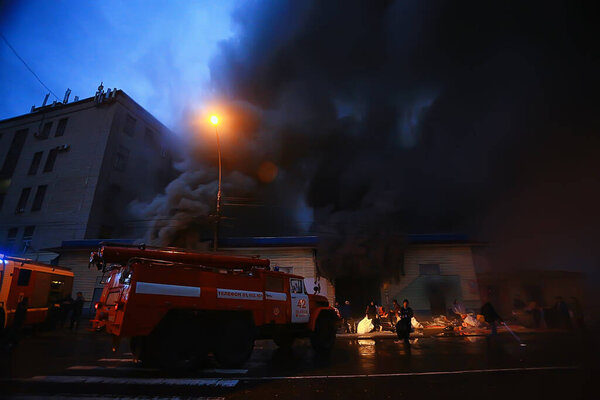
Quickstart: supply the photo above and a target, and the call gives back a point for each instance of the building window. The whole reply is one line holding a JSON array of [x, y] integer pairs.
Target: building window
[[28, 237], [11, 237], [429, 269], [14, 152], [120, 158], [23, 200], [149, 134], [39, 198], [60, 129], [45, 132], [129, 125], [51, 160], [35, 163]]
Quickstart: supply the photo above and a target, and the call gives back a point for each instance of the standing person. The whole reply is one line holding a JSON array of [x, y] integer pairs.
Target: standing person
[[19, 318], [395, 312], [346, 313], [403, 326], [66, 306], [491, 317], [77, 310], [562, 311], [372, 315]]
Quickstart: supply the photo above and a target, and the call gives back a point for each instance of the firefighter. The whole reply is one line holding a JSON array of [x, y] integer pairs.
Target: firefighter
[[403, 327]]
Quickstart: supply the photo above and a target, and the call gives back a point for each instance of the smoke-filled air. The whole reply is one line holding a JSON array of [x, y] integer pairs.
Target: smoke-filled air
[[364, 121]]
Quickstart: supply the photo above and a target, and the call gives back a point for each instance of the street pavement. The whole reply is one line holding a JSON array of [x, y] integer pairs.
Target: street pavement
[[65, 364]]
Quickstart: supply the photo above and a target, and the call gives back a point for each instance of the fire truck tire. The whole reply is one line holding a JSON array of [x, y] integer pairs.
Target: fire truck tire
[[323, 337], [284, 341], [235, 342], [174, 346]]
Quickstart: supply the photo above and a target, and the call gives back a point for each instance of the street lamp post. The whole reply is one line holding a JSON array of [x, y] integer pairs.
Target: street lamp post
[[215, 121]]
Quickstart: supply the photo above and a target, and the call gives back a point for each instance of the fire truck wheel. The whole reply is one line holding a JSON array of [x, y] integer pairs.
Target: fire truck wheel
[[235, 342], [174, 346], [284, 341], [323, 337]]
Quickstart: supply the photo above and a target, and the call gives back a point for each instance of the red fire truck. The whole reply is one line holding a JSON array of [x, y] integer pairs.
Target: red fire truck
[[36, 287], [176, 306]]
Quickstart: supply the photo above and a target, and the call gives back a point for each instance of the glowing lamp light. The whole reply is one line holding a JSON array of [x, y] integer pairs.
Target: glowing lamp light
[[214, 119]]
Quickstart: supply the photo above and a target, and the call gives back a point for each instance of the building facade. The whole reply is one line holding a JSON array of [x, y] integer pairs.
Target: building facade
[[69, 171], [437, 270]]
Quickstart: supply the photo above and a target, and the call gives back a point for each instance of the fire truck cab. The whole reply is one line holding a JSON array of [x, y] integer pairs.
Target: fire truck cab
[[33, 288], [177, 306]]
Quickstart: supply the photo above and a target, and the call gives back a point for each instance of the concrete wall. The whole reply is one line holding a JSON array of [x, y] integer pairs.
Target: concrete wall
[[457, 278]]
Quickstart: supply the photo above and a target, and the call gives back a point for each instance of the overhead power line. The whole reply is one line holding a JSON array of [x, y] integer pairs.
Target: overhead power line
[[27, 66]]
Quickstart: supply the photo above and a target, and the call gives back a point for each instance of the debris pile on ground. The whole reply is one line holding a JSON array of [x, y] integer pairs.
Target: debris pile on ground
[[441, 321], [471, 322]]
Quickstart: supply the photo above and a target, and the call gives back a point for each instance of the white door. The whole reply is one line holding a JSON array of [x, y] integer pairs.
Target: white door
[[299, 300]]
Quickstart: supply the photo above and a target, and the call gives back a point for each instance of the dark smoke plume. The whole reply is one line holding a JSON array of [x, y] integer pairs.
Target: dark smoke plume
[[388, 117]]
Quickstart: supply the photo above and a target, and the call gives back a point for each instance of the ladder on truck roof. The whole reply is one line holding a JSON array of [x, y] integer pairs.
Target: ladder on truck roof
[[118, 254]]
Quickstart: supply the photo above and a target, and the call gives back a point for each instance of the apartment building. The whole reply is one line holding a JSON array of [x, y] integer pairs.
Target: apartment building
[[69, 171]]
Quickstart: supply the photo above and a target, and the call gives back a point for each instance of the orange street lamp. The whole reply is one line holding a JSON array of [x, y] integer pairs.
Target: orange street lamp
[[215, 121]]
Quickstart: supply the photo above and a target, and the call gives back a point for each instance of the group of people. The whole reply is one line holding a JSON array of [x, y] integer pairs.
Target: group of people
[[399, 317], [72, 308]]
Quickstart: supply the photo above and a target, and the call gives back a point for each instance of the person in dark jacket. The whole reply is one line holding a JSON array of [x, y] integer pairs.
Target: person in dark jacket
[[491, 316], [346, 314], [403, 326], [77, 310], [372, 315]]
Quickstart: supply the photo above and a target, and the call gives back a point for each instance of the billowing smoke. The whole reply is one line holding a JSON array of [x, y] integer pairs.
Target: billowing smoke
[[406, 116], [182, 213]]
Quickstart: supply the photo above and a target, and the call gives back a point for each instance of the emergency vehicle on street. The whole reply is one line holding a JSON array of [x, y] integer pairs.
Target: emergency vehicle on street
[[32, 288], [176, 306]]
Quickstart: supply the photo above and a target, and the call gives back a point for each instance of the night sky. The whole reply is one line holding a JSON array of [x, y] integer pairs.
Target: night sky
[[381, 118]]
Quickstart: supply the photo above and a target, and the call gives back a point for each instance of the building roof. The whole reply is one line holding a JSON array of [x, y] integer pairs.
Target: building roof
[[61, 106]]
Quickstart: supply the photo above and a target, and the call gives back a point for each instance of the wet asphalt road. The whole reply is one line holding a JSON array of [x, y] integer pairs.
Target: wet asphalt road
[[81, 364]]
